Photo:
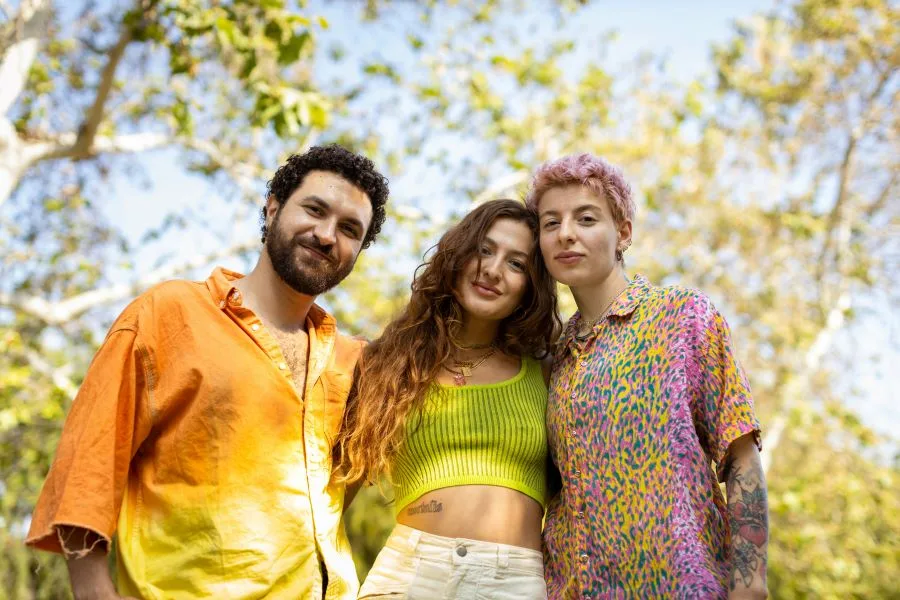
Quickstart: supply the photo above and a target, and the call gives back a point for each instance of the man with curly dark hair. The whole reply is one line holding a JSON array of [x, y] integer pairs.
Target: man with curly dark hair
[[202, 433]]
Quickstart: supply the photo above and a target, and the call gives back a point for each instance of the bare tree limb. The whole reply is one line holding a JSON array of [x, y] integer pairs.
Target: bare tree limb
[[502, 184], [837, 211], [67, 146], [20, 40], [94, 116], [883, 197], [243, 173], [58, 313], [797, 387], [60, 376]]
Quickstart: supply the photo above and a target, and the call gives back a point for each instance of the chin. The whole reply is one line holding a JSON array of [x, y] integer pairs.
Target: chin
[[484, 313]]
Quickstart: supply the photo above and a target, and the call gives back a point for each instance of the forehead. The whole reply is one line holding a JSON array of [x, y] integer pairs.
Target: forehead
[[341, 195], [511, 235], [566, 198]]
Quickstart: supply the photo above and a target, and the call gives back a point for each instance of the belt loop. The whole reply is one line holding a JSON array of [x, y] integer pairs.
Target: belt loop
[[502, 556], [413, 540]]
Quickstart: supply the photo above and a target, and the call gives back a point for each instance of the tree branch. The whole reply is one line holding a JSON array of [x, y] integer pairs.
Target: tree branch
[[6, 9], [503, 184], [243, 173], [60, 376], [58, 313], [19, 44], [88, 130], [882, 199], [837, 211]]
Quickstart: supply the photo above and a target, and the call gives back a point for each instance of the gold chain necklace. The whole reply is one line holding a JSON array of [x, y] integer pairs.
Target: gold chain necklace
[[467, 366], [586, 334]]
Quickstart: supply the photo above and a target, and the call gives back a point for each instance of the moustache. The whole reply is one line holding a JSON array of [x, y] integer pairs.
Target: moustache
[[313, 244]]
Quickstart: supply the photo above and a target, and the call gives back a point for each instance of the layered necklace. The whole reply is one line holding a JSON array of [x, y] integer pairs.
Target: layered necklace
[[583, 334], [464, 368]]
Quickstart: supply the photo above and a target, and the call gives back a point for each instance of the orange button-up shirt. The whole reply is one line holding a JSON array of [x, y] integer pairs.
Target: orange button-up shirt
[[188, 439]]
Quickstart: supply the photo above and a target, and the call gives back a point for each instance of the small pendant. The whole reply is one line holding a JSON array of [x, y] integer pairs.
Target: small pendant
[[459, 379], [465, 370]]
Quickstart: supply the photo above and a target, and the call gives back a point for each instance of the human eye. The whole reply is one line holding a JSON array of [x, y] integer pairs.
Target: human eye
[[517, 265], [350, 231], [549, 224], [485, 251]]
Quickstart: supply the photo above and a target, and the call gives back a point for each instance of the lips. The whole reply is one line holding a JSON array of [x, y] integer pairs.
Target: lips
[[485, 289], [568, 258]]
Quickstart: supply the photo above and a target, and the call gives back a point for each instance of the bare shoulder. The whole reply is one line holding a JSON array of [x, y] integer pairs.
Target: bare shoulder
[[546, 366]]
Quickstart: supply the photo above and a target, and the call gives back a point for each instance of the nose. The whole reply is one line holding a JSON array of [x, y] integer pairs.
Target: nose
[[326, 232], [490, 268], [566, 231]]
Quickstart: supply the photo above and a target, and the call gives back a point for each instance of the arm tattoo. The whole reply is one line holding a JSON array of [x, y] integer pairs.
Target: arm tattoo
[[426, 507], [749, 522]]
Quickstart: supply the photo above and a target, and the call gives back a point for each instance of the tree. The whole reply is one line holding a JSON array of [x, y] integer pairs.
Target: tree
[[83, 91], [766, 186]]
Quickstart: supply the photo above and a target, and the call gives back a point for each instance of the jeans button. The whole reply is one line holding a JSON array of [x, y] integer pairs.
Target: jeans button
[[461, 550]]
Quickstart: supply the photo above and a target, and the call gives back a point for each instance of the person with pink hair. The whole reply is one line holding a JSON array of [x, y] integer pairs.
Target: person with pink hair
[[648, 411]]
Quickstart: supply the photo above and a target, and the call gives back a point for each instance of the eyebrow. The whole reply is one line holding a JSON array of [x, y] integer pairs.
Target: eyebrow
[[513, 252], [578, 209], [325, 205]]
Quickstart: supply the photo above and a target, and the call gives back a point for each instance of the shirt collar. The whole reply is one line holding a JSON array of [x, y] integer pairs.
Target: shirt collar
[[623, 306], [221, 287]]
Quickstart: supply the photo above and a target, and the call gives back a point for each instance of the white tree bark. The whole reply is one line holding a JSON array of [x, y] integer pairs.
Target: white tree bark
[[63, 311]]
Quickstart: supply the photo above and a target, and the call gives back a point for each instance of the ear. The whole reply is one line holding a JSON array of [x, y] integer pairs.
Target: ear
[[624, 231], [272, 206]]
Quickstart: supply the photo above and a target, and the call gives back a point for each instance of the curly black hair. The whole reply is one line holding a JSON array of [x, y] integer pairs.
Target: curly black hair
[[358, 170]]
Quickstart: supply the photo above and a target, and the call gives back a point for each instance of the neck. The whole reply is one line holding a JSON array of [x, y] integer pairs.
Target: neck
[[274, 301], [594, 299], [477, 332]]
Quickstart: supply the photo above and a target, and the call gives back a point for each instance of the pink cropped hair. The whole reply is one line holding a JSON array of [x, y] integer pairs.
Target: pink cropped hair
[[591, 171]]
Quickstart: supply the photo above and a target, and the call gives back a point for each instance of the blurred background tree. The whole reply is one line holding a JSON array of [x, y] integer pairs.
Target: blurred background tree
[[771, 184]]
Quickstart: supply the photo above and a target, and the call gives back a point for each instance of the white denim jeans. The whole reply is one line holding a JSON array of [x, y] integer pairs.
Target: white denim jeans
[[416, 565]]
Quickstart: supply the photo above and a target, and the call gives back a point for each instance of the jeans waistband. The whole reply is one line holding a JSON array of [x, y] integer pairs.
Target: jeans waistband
[[463, 550]]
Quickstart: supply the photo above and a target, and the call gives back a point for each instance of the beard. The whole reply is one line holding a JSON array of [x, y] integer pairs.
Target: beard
[[308, 276]]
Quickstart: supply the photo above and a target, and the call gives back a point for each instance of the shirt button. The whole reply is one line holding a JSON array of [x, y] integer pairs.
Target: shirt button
[[574, 395], [462, 551], [585, 557], [576, 473], [282, 366], [579, 514], [255, 327], [584, 363]]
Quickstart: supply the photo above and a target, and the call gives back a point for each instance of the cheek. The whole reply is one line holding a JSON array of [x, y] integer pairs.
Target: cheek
[[546, 241], [517, 286]]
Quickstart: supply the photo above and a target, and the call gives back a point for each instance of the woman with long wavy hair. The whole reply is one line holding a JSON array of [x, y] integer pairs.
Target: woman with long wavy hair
[[450, 405]]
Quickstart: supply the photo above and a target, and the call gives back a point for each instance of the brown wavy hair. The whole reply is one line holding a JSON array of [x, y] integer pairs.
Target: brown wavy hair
[[395, 371]]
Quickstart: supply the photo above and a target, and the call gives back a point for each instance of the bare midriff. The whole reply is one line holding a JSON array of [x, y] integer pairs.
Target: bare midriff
[[486, 513]]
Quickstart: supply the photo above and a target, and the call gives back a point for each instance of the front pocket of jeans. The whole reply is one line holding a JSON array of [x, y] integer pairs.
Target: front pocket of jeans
[[392, 573], [511, 584]]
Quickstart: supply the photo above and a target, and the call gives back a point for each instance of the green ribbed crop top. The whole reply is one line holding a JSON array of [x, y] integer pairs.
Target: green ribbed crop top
[[490, 434]]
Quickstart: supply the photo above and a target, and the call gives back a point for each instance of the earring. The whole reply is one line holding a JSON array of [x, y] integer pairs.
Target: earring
[[619, 254]]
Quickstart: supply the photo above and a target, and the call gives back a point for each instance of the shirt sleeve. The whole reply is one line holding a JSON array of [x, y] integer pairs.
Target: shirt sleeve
[[723, 406], [107, 423]]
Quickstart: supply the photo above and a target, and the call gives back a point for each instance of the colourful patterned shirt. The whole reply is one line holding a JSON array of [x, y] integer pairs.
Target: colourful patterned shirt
[[638, 413]]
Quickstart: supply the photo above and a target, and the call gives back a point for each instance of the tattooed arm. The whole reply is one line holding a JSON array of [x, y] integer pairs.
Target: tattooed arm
[[748, 518]]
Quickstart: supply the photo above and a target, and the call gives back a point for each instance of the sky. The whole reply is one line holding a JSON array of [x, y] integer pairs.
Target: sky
[[684, 31]]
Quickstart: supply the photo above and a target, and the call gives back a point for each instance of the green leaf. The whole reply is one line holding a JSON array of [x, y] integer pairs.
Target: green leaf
[[289, 52]]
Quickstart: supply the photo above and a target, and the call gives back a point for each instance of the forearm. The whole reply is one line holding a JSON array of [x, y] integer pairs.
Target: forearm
[[748, 518], [88, 569]]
